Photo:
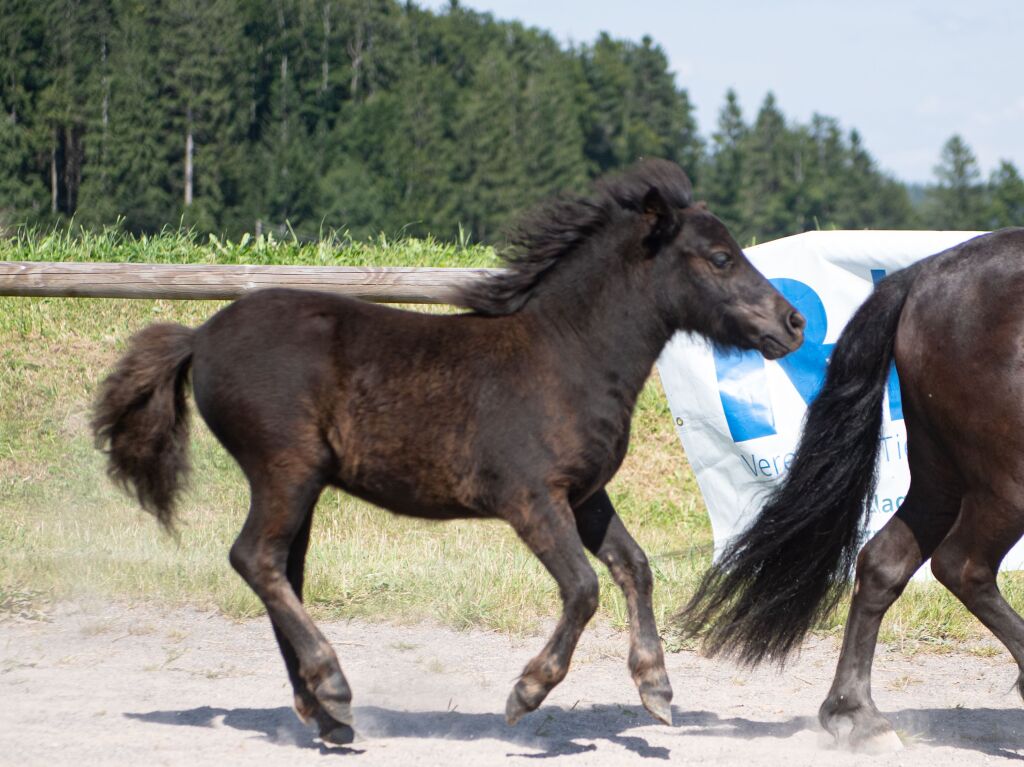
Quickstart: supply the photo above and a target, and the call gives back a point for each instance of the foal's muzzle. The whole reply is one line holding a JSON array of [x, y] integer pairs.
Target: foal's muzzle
[[785, 339]]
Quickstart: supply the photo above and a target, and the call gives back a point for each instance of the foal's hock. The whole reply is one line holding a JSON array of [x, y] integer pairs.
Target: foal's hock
[[519, 409]]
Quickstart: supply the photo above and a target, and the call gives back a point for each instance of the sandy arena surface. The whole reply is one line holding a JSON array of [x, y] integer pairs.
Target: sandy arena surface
[[107, 684]]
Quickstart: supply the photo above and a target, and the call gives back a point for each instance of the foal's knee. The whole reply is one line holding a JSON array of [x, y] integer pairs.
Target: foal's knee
[[258, 566], [241, 559], [584, 598], [641, 568]]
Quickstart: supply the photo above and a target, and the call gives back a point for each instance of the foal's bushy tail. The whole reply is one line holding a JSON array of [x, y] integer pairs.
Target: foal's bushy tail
[[140, 418], [790, 567]]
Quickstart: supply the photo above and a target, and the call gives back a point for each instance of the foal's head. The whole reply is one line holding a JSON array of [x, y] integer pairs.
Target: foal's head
[[692, 269], [705, 284]]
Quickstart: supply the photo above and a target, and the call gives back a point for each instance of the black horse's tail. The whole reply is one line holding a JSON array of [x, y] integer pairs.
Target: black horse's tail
[[790, 567], [140, 417]]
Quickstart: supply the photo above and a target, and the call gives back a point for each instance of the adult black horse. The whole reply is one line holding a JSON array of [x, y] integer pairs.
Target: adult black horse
[[954, 323], [519, 409]]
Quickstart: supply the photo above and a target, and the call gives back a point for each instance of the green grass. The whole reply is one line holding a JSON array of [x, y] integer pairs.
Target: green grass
[[66, 533]]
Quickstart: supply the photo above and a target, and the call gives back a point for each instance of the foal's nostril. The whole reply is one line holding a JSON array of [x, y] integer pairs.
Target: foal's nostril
[[795, 322]]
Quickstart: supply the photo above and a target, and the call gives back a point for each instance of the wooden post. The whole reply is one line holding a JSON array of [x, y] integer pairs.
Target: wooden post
[[201, 281]]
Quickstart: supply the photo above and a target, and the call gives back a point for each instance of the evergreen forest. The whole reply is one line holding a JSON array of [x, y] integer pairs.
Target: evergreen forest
[[377, 116]]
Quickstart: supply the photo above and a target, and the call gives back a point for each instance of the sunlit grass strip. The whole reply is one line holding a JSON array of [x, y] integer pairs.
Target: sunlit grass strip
[[183, 246]]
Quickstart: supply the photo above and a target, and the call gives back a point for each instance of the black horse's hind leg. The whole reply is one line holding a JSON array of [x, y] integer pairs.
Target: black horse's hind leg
[[967, 562], [270, 555], [550, 533], [606, 537], [884, 566]]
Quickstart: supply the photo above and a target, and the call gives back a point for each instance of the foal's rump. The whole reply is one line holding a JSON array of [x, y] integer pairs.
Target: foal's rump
[[259, 368]]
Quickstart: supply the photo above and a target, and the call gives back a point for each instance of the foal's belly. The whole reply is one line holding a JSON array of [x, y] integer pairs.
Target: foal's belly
[[431, 497]]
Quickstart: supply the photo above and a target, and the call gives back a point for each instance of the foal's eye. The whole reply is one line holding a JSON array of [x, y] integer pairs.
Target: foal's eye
[[720, 259]]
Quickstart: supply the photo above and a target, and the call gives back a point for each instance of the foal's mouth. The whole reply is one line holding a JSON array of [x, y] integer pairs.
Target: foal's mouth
[[772, 348]]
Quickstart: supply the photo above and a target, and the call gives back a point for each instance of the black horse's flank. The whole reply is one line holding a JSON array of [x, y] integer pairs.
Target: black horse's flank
[[953, 323], [519, 409]]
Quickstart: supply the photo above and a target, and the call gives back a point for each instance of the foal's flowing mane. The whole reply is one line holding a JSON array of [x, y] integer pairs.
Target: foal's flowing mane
[[560, 226]]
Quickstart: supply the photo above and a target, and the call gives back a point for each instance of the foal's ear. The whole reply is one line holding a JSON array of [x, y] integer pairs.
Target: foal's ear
[[663, 219]]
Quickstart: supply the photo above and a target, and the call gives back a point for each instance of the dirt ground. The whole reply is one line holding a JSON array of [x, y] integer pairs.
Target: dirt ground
[[106, 684]]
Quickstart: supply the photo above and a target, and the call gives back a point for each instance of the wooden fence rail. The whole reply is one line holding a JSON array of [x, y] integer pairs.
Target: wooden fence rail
[[201, 281]]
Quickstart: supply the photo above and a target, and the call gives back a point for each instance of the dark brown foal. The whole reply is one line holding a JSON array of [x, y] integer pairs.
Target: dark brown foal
[[519, 409]]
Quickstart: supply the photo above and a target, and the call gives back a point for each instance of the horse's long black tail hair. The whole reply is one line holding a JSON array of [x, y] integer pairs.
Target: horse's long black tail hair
[[790, 567], [140, 417]]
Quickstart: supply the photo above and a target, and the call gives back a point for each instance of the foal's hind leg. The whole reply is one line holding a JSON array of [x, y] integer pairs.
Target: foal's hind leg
[[606, 537], [269, 554], [550, 533], [884, 566], [967, 562], [306, 705]]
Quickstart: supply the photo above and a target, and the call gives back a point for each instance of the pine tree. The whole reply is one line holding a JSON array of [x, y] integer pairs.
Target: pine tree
[[131, 177], [637, 110], [24, 194], [722, 179], [1005, 197], [956, 201], [202, 56], [770, 176], [488, 135]]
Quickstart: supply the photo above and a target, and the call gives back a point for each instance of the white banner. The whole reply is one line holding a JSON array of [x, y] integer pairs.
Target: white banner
[[739, 415]]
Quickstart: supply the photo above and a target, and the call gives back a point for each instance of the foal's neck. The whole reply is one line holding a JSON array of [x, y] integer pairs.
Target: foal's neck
[[600, 310]]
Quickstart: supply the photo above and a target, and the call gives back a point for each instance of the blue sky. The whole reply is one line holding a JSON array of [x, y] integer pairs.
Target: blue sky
[[907, 74]]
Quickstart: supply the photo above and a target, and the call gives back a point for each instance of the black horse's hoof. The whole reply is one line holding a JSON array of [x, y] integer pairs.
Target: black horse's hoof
[[858, 726], [878, 743]]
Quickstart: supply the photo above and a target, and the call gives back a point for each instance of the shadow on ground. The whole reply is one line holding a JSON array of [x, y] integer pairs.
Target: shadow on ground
[[991, 731], [547, 733], [554, 731]]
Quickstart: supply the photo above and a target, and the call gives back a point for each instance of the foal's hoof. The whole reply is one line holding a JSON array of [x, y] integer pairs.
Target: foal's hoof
[[658, 701], [515, 708], [522, 700], [335, 699]]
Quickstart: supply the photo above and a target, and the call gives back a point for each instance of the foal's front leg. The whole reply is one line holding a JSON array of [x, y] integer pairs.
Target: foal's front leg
[[606, 537], [550, 533]]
